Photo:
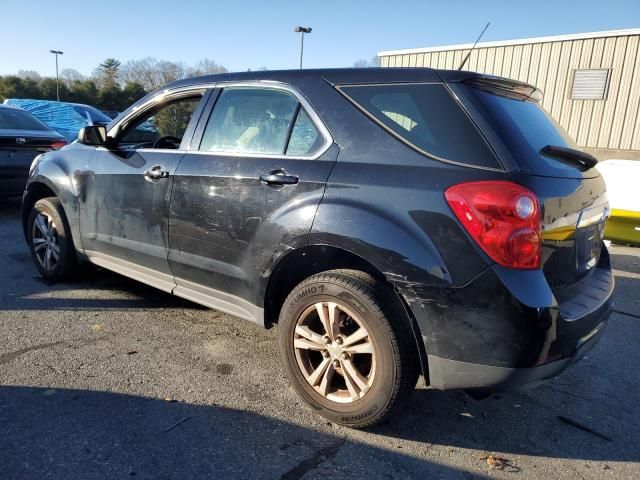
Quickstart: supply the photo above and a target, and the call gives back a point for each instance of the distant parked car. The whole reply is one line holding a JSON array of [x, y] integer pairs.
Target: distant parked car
[[111, 113], [65, 118], [22, 137]]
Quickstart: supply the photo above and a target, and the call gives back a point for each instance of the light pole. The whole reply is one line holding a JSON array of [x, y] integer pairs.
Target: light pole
[[56, 53], [302, 31]]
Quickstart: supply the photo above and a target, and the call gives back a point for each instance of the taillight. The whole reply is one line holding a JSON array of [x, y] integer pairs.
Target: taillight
[[503, 217], [58, 145]]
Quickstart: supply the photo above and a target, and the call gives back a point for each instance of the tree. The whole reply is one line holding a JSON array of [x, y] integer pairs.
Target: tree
[[29, 75], [205, 66], [69, 76], [132, 92], [374, 62], [108, 72]]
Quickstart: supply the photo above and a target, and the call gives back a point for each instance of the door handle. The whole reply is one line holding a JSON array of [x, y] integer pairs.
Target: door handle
[[156, 173], [278, 178]]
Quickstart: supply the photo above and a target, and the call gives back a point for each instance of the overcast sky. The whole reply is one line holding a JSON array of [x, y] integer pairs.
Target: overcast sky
[[246, 34]]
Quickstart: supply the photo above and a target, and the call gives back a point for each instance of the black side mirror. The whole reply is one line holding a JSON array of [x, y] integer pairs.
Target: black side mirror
[[94, 135]]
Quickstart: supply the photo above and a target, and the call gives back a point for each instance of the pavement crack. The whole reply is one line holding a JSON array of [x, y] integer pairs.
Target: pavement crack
[[622, 312], [11, 356], [311, 463]]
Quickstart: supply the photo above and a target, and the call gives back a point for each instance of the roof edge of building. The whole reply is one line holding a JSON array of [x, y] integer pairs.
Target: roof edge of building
[[519, 41]]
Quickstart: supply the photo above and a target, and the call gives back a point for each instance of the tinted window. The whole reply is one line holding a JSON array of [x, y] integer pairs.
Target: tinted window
[[94, 114], [305, 138], [168, 120], [14, 119], [426, 116], [250, 120], [525, 128]]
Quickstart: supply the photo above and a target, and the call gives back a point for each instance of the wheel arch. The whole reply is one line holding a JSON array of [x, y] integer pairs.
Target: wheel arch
[[312, 259]]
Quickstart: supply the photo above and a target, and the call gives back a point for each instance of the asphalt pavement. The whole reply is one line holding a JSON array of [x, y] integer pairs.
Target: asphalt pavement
[[105, 378]]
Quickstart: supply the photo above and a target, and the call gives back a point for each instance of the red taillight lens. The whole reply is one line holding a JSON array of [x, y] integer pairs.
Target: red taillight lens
[[58, 145], [503, 217]]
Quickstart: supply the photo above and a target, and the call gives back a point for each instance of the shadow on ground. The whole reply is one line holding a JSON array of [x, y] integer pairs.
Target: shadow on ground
[[88, 434]]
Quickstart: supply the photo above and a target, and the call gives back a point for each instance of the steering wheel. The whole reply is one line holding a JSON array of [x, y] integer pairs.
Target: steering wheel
[[167, 142]]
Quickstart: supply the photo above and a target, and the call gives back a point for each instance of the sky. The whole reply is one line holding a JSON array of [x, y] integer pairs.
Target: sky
[[248, 34]]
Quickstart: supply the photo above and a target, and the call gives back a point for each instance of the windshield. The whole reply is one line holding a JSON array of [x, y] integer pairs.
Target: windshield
[[525, 128], [15, 119]]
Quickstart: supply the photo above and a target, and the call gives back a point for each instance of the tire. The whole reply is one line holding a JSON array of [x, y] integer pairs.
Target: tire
[[50, 243], [347, 377]]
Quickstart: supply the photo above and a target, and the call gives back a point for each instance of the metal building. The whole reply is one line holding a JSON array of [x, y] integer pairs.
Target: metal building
[[590, 81]]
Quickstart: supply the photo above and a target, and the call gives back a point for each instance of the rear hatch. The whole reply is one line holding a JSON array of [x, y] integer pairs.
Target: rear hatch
[[542, 157]]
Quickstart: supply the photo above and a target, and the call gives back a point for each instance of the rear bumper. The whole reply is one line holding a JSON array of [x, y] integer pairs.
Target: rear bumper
[[13, 180], [507, 330], [445, 374]]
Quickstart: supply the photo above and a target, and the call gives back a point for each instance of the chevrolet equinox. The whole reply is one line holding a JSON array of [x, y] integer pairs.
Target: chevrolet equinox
[[392, 223]]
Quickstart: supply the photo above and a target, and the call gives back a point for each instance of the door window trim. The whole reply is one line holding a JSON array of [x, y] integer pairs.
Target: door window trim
[[208, 106], [166, 96]]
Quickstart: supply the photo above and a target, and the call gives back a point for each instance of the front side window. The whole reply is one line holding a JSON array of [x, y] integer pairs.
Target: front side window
[[253, 120], [427, 117], [162, 127]]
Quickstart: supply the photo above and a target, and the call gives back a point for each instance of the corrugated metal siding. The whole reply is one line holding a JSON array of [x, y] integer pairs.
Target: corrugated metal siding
[[612, 123]]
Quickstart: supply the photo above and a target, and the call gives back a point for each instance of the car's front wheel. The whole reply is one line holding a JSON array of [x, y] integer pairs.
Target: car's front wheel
[[347, 348], [50, 240]]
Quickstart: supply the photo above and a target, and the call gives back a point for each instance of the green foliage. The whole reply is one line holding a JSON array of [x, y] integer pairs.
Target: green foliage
[[110, 96], [112, 87]]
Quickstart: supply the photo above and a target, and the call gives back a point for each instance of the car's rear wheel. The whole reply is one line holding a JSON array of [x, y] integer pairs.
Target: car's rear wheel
[[347, 347], [50, 240]]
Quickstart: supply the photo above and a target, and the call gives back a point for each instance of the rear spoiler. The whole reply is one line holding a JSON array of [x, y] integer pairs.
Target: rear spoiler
[[500, 85], [505, 86]]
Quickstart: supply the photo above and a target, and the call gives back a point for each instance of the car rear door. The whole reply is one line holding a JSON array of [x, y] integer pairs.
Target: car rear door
[[245, 192], [127, 187]]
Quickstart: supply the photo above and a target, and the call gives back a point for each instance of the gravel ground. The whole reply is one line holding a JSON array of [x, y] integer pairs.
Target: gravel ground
[[108, 378]]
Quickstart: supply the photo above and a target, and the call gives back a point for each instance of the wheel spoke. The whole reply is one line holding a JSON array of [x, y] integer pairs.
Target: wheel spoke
[[354, 391], [47, 258], [318, 372], [307, 344], [352, 372], [329, 314], [355, 337], [326, 380], [42, 226], [39, 246], [366, 347], [309, 334]]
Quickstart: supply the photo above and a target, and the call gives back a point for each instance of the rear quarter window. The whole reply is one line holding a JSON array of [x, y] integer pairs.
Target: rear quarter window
[[426, 117]]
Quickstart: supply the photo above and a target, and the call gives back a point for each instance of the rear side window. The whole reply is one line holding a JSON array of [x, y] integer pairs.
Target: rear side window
[[427, 117], [525, 128], [14, 119]]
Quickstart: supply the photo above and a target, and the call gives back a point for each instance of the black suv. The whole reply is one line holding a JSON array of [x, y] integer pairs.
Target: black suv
[[392, 222]]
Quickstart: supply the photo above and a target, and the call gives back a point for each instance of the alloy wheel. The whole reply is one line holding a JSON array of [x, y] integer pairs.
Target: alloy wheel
[[334, 352], [44, 240]]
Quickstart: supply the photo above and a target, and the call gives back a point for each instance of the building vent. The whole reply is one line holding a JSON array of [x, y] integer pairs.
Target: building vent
[[589, 84]]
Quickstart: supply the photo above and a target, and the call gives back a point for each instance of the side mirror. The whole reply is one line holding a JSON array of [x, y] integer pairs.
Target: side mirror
[[94, 135]]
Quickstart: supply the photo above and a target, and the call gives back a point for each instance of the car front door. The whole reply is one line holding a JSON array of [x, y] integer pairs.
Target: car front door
[[247, 189], [127, 187]]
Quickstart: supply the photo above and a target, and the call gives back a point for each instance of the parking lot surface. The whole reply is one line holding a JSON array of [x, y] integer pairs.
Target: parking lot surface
[[108, 378]]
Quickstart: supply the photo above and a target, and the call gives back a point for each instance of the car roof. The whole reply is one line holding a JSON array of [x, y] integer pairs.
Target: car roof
[[331, 75], [348, 76]]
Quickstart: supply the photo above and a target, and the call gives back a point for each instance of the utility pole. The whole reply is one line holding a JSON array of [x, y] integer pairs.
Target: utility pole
[[302, 31], [56, 53]]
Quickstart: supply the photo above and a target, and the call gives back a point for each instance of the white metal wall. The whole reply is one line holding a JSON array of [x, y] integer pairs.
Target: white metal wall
[[611, 123]]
